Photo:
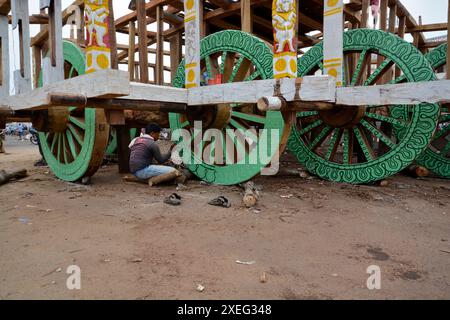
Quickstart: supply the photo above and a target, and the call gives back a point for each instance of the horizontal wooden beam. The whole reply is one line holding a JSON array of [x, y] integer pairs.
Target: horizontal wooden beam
[[101, 84]]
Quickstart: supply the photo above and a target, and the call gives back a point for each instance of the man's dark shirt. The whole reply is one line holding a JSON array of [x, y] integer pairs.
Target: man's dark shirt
[[143, 152]]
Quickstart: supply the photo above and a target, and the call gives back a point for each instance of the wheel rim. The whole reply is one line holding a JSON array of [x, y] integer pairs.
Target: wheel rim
[[346, 151], [77, 151], [238, 56], [437, 156]]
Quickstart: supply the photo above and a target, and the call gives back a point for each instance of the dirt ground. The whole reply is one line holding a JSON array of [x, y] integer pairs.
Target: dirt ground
[[312, 239]]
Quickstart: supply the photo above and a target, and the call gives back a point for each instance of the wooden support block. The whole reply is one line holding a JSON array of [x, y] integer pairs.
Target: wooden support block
[[115, 117], [164, 178], [4, 57], [123, 141], [16, 175]]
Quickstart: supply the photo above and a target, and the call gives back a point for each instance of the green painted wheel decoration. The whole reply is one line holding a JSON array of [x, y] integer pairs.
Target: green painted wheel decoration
[[237, 56], [77, 151], [437, 156], [112, 145], [359, 144]]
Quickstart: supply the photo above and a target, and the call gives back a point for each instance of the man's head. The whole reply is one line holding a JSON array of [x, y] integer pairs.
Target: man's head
[[153, 130]]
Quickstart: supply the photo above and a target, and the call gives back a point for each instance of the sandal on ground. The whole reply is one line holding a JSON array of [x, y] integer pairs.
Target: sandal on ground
[[173, 200], [220, 202]]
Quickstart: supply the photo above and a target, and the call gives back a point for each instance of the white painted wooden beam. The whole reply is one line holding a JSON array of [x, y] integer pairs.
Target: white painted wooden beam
[[4, 40], [21, 23], [333, 35], [310, 88], [102, 84], [148, 92], [404, 93], [192, 42], [53, 63]]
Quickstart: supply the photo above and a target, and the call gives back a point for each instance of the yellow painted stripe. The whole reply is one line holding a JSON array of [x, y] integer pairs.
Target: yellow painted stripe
[[191, 65], [332, 60], [284, 54], [96, 48], [190, 17], [332, 65], [332, 12], [191, 85]]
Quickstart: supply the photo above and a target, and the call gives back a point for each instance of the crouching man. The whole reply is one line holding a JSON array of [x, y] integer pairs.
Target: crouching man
[[144, 151]]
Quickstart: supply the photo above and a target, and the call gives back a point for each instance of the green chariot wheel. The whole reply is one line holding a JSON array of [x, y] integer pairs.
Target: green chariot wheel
[[232, 56], [111, 149], [437, 156], [76, 149], [362, 144]]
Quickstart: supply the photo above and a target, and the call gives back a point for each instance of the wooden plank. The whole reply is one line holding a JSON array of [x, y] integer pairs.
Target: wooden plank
[[132, 50], [102, 84], [147, 92], [159, 70], [192, 43], [5, 7], [20, 23], [364, 13], [142, 36], [312, 88], [404, 93], [4, 57], [284, 22], [53, 63], [246, 15], [175, 54], [333, 47]]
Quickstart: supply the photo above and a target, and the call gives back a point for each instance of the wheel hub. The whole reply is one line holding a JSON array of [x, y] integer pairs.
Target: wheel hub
[[211, 117], [343, 116]]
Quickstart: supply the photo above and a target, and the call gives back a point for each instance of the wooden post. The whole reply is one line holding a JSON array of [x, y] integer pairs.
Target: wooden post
[[192, 43], [131, 50], [159, 79], [448, 47], [401, 34], [284, 23], [4, 57], [53, 63], [142, 35], [334, 39], [365, 13], [175, 54], [246, 16], [112, 37], [21, 21]]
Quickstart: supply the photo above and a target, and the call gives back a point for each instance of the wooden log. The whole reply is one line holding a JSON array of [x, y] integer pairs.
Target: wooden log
[[279, 104], [142, 34], [416, 171], [164, 178], [251, 194], [16, 175]]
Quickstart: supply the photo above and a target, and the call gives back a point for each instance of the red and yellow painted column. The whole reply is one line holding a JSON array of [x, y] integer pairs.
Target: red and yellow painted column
[[333, 39], [284, 22], [192, 43], [98, 49]]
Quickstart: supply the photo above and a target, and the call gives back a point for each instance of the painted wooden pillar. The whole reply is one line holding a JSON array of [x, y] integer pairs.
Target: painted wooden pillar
[[4, 57], [333, 34], [53, 63], [98, 48], [21, 23], [284, 22], [192, 43]]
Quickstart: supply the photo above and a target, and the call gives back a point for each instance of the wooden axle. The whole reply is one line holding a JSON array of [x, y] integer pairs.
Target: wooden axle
[[280, 104], [79, 100]]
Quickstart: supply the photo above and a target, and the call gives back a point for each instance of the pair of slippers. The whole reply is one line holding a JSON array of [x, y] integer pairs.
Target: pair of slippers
[[175, 200]]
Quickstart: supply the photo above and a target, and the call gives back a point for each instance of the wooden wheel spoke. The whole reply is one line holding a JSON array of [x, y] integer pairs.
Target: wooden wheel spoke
[[75, 134], [334, 144], [320, 65], [398, 80], [54, 142], [244, 130], [446, 149], [364, 144], [238, 139], [310, 127], [71, 143], [228, 66], [249, 117], [390, 120], [442, 133], [347, 147], [360, 68], [306, 114], [320, 138], [78, 122], [185, 124], [383, 67], [72, 69], [253, 76], [380, 135], [64, 148]]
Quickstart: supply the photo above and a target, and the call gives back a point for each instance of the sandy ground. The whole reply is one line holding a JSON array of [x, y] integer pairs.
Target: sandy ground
[[312, 239]]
